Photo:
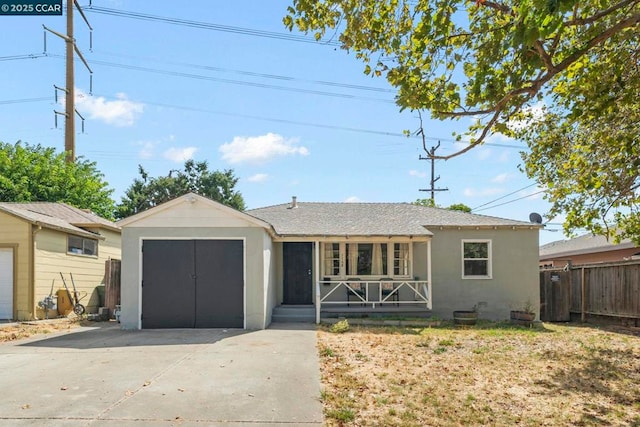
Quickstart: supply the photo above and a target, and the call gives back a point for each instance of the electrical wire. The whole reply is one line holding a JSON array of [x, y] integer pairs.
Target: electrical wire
[[510, 201], [17, 57], [207, 26], [230, 81], [252, 73], [24, 100], [502, 197]]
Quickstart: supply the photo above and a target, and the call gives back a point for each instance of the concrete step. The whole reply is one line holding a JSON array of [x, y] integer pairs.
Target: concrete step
[[294, 313]]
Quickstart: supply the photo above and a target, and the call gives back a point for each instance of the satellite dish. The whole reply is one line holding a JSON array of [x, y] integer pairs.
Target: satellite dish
[[535, 218]]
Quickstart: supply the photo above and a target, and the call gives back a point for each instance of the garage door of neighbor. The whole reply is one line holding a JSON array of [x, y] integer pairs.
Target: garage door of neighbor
[[6, 283], [192, 284]]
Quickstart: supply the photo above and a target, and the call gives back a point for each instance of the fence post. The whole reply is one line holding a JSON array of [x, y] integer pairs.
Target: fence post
[[583, 302]]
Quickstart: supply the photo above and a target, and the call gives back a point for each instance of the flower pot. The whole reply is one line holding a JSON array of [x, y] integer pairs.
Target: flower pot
[[524, 318], [465, 317]]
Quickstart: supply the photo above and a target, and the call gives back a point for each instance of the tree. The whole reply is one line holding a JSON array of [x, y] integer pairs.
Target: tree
[[460, 207], [495, 63], [430, 203], [32, 173], [147, 192]]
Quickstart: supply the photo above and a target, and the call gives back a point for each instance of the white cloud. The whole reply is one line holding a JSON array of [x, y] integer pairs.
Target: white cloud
[[260, 149], [121, 112], [147, 150], [491, 191], [417, 174], [259, 177], [500, 179], [352, 199], [179, 155]]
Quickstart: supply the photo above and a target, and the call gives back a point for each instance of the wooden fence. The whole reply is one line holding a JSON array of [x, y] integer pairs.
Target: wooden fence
[[112, 285], [609, 289]]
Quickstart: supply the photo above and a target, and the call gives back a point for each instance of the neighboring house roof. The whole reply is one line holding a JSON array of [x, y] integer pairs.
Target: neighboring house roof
[[585, 244], [58, 216], [370, 219]]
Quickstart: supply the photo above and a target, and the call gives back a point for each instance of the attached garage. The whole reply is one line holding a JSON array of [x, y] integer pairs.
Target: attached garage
[[195, 263], [192, 284]]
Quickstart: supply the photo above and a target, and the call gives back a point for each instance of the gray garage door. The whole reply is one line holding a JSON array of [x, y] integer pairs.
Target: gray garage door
[[192, 284]]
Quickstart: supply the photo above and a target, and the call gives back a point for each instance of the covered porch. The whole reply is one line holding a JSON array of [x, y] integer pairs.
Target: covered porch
[[372, 277], [372, 298]]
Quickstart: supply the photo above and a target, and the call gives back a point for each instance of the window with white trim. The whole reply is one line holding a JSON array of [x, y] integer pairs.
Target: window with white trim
[[364, 259], [82, 246], [332, 259], [401, 259], [476, 259]]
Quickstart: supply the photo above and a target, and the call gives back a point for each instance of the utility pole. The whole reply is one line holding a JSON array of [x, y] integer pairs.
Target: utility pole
[[431, 156], [70, 109]]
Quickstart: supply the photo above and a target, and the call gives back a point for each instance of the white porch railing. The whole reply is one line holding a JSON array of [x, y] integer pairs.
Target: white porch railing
[[375, 293]]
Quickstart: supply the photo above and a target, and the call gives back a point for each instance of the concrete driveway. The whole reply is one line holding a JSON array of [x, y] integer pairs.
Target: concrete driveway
[[103, 376]]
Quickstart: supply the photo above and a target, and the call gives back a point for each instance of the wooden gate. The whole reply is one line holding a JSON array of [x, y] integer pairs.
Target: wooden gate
[[555, 296]]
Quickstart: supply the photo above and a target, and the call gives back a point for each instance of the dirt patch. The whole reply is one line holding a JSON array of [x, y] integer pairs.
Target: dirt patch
[[491, 374], [18, 331]]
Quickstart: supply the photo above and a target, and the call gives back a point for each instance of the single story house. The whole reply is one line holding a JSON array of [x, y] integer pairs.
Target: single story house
[[40, 240], [193, 262], [586, 249]]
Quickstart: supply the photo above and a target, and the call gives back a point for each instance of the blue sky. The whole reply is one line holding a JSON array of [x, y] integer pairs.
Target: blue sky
[[289, 117]]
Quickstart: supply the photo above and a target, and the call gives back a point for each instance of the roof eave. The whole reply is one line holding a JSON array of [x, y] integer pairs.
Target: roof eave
[[622, 246]]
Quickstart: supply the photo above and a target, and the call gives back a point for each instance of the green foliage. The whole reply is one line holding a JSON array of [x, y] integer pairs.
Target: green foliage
[[340, 327], [460, 207], [147, 192], [33, 173], [430, 203], [494, 63]]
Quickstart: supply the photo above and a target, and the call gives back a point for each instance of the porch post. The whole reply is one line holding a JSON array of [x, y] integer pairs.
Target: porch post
[[317, 279]]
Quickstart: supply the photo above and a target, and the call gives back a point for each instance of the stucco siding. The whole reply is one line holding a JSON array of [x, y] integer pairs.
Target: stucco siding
[[51, 259], [16, 233], [514, 278], [255, 316]]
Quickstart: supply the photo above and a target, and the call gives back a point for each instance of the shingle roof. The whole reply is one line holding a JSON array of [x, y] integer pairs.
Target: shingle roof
[[58, 216], [369, 219], [587, 243]]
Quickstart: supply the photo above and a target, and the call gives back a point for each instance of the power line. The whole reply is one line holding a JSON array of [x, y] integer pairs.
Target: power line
[[231, 81], [262, 118], [510, 201], [24, 100], [253, 73], [17, 57], [502, 197], [208, 26]]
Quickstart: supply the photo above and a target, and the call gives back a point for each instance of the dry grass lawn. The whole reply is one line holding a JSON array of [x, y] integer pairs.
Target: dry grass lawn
[[490, 374], [25, 330]]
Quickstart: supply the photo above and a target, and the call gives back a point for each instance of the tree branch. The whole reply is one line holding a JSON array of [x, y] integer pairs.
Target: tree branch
[[601, 14]]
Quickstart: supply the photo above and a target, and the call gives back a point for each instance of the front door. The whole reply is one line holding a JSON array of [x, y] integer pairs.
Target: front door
[[298, 285]]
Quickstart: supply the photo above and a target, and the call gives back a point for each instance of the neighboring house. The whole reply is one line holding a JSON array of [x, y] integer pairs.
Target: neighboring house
[[193, 262], [586, 249], [40, 240]]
